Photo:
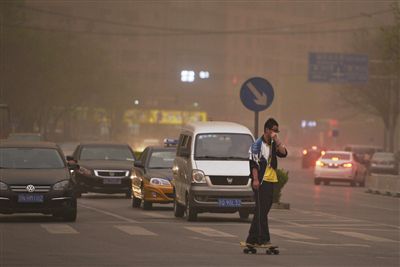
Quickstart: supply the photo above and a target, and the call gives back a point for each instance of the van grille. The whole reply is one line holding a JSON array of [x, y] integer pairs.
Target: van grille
[[229, 180]]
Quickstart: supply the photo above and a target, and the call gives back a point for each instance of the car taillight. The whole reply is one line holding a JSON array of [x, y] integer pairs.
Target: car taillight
[[323, 153], [305, 152], [319, 163], [347, 165]]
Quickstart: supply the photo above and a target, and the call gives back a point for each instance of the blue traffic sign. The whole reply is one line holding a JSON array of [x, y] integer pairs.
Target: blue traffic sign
[[337, 68], [257, 94]]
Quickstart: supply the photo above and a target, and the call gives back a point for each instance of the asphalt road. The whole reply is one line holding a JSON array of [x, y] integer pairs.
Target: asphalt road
[[334, 225]]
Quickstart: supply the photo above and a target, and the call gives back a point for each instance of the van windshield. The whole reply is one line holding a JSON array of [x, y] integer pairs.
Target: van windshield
[[222, 146]]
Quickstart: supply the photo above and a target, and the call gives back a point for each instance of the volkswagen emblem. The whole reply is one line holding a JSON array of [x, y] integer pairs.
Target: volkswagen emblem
[[229, 180], [30, 188]]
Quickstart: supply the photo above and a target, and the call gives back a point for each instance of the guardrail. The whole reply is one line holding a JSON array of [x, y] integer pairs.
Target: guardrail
[[383, 184]]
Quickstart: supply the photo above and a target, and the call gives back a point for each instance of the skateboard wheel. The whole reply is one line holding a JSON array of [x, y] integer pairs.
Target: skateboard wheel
[[246, 251]]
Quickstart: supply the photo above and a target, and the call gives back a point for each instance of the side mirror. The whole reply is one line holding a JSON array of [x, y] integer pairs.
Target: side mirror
[[138, 164]]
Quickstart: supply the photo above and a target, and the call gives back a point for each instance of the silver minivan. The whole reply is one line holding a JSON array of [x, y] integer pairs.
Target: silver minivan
[[211, 170]]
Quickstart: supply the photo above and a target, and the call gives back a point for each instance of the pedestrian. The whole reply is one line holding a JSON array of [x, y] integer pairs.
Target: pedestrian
[[263, 164]]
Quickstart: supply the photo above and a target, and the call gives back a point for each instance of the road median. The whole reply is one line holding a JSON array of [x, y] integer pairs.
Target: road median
[[383, 184]]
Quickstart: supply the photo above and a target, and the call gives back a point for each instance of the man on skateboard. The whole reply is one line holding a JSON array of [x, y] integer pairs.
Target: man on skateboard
[[263, 164]]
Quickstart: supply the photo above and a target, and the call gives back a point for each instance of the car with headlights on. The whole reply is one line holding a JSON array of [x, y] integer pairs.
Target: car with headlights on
[[35, 178], [152, 175], [384, 162], [339, 166], [104, 167], [310, 156]]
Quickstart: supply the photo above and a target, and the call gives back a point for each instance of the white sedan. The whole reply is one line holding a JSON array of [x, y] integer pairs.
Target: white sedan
[[339, 166]]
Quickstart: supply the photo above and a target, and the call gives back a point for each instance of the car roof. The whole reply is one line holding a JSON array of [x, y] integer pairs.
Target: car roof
[[383, 154], [338, 152], [102, 143], [28, 144], [363, 146], [216, 127]]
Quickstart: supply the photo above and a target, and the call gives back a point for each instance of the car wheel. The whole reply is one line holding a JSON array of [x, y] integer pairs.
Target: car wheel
[[190, 212], [136, 202], [244, 215], [70, 216], [71, 213], [147, 205], [179, 210], [317, 181]]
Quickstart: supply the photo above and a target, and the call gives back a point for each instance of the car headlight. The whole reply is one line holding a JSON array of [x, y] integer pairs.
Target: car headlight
[[84, 171], [159, 181], [3, 186], [198, 177], [61, 185]]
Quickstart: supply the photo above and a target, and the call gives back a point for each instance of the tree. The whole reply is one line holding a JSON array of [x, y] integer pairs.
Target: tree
[[381, 95], [46, 73]]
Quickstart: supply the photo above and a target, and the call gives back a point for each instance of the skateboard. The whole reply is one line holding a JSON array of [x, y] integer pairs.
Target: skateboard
[[252, 249]]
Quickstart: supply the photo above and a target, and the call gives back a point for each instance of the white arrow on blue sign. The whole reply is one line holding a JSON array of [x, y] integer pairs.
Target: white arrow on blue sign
[[257, 94]]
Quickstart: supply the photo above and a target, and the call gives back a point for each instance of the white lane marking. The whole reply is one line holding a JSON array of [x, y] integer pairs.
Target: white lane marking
[[156, 215], [109, 214], [364, 236], [208, 231], [330, 225], [59, 229], [134, 230], [328, 215], [291, 235], [379, 208], [330, 245]]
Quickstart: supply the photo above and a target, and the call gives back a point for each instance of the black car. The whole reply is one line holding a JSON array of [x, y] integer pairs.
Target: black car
[[104, 167], [35, 178], [310, 156]]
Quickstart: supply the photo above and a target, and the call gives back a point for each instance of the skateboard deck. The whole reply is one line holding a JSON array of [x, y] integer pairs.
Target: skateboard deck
[[249, 248]]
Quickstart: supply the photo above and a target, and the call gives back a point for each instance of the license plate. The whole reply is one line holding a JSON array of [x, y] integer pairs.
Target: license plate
[[30, 198], [224, 202], [111, 181]]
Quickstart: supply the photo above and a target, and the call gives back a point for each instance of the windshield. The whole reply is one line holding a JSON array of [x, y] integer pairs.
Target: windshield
[[30, 158], [106, 153], [336, 156], [222, 146], [384, 156], [162, 159]]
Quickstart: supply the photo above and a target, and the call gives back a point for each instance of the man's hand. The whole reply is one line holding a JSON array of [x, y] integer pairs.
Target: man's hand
[[274, 136], [256, 184]]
